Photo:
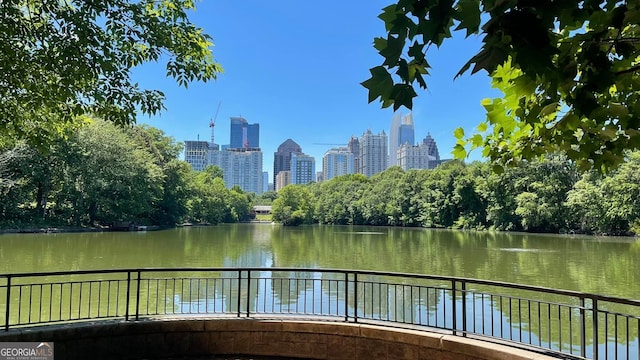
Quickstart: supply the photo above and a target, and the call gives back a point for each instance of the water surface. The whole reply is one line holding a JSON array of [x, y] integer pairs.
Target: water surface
[[608, 266]]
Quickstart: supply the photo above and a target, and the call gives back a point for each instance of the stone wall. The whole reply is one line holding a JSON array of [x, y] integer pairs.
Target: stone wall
[[166, 338]]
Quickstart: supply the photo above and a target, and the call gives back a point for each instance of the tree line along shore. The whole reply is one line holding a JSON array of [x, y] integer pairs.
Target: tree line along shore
[[100, 175]]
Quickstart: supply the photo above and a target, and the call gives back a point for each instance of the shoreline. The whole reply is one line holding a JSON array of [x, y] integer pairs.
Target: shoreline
[[59, 230]]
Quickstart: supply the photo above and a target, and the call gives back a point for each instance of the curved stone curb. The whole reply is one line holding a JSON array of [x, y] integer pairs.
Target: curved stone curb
[[171, 337]]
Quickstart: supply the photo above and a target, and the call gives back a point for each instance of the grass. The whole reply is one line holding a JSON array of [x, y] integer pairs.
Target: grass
[[264, 217]]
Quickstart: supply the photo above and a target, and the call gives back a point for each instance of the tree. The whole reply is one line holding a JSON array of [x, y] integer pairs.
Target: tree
[[8, 158], [61, 59], [294, 205], [209, 196], [339, 200], [569, 71], [114, 179]]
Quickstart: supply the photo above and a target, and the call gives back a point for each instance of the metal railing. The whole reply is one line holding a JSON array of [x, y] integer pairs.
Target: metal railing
[[560, 322]]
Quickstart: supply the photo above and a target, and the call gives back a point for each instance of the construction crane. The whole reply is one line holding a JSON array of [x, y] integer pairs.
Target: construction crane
[[328, 144], [212, 123]]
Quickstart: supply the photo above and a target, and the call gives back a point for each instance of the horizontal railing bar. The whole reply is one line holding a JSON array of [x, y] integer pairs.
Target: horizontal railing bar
[[352, 295], [342, 271], [544, 302]]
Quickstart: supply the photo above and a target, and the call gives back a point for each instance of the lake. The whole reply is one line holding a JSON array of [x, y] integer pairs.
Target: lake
[[602, 265]]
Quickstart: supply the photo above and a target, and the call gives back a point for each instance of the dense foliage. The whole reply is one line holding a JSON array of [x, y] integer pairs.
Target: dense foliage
[[101, 174], [538, 196], [569, 71], [61, 59]]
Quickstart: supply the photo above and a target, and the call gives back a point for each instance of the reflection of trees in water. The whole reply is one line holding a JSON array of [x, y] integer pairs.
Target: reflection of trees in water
[[413, 301], [558, 322], [190, 293]]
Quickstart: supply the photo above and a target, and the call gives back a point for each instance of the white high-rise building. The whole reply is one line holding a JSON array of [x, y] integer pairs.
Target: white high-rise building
[[414, 157], [373, 153], [337, 162], [283, 179], [303, 168], [196, 153], [242, 167], [422, 156], [402, 132]]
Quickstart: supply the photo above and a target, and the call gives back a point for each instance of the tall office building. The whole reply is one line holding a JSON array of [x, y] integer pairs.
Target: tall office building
[[431, 145], [283, 179], [196, 153], [402, 132], [415, 157], [303, 168], [241, 166], [337, 162], [265, 181], [243, 134], [282, 157], [373, 153], [354, 148]]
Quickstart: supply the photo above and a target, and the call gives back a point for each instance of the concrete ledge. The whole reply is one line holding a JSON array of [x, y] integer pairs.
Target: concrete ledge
[[171, 337]]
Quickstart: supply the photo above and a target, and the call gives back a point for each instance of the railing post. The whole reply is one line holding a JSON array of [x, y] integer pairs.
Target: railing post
[[239, 290], [8, 313], [583, 329], [248, 292], [594, 303], [355, 297], [454, 306], [464, 308], [138, 297], [128, 301], [346, 296]]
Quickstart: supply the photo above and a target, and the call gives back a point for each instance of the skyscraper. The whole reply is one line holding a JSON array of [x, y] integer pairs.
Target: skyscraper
[[431, 146], [373, 153], [337, 162], [243, 134], [196, 153], [415, 157], [283, 179], [265, 181], [303, 168], [242, 167], [282, 157], [402, 132], [422, 156], [354, 148]]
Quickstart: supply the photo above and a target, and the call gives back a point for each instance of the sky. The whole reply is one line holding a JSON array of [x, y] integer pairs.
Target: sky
[[295, 67]]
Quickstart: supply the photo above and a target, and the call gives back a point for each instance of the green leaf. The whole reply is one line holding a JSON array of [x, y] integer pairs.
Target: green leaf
[[416, 52], [458, 133], [402, 95], [392, 51], [549, 109], [389, 15], [482, 127], [459, 152], [379, 85], [468, 13], [477, 141]]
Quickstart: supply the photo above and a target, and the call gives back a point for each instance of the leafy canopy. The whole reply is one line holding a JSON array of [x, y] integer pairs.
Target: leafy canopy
[[60, 59], [569, 71]]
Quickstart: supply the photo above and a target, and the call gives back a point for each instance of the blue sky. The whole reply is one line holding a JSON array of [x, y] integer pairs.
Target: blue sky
[[295, 67]]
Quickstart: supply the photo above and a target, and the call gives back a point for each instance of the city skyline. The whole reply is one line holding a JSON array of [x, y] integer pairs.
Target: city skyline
[[299, 78], [194, 154]]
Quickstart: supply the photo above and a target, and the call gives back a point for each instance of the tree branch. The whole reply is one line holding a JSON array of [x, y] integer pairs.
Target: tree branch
[[629, 70]]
